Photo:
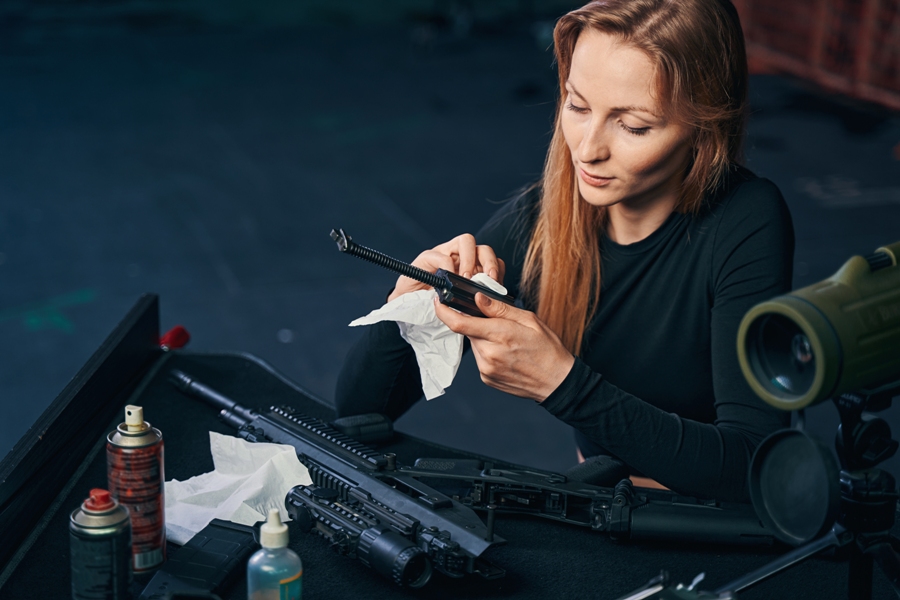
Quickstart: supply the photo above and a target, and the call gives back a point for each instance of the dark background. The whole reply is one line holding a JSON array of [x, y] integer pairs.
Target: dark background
[[203, 150]]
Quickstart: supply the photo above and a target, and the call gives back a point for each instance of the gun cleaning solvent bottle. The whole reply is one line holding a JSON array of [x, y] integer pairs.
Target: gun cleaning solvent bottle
[[274, 572]]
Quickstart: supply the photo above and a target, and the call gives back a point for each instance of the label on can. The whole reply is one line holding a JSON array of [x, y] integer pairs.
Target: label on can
[[100, 558], [136, 480]]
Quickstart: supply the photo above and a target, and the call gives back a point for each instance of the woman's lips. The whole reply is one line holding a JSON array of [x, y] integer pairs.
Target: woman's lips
[[593, 180]]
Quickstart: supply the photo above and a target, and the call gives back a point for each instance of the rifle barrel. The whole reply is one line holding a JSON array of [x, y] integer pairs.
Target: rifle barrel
[[229, 407]]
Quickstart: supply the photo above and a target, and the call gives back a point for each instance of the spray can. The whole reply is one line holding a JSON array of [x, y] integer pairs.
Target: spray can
[[100, 548], [134, 468]]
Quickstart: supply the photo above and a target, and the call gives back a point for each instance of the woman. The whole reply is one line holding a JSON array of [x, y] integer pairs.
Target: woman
[[636, 255]]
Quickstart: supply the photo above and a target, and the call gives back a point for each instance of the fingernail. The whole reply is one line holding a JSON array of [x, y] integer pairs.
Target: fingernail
[[493, 274], [467, 275]]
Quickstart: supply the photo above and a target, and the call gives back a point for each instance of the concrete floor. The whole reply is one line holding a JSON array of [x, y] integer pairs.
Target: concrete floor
[[208, 165]]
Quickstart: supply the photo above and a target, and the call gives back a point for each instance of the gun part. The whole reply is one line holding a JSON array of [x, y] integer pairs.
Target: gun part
[[453, 290], [624, 512]]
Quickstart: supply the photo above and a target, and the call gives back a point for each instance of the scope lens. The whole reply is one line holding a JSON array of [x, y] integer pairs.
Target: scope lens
[[781, 356], [417, 569], [394, 556]]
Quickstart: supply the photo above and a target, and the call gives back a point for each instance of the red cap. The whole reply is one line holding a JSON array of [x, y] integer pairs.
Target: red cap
[[175, 338], [100, 500]]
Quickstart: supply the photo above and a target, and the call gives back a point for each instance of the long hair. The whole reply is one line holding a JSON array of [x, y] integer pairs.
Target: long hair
[[697, 49]]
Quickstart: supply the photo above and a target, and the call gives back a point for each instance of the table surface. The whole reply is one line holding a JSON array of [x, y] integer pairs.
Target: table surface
[[542, 558]]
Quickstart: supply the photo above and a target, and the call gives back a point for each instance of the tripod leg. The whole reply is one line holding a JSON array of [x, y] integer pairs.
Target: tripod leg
[[835, 537], [859, 584], [889, 562]]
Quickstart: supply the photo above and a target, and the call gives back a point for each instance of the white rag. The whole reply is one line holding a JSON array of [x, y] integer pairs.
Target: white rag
[[438, 349], [248, 479]]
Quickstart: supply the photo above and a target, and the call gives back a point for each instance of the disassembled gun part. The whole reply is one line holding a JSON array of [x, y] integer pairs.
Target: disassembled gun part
[[453, 290]]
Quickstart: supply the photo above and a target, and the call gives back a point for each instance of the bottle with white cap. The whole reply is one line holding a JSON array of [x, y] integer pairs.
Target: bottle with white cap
[[274, 572]]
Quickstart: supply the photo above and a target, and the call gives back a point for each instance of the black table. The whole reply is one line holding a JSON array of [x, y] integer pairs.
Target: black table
[[542, 558]]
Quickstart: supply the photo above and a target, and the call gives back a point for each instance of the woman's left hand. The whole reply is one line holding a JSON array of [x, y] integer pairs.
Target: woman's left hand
[[516, 353]]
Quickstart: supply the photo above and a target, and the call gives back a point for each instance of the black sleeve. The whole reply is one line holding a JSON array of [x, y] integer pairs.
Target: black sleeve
[[751, 262], [380, 373]]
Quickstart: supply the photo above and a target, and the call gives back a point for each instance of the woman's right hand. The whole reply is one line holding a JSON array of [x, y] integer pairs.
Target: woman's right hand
[[461, 255]]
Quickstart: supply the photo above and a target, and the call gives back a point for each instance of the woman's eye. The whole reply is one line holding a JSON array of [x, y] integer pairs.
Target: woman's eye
[[578, 109], [634, 130]]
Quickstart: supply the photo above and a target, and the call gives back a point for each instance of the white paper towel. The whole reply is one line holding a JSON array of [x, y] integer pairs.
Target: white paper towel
[[247, 480], [438, 350]]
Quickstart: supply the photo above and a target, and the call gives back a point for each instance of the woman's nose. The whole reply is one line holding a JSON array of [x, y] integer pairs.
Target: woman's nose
[[595, 143]]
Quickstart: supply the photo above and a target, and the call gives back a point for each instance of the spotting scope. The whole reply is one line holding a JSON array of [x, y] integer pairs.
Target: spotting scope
[[839, 335]]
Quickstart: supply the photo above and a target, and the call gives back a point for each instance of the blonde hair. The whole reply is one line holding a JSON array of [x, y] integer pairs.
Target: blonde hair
[[697, 48]]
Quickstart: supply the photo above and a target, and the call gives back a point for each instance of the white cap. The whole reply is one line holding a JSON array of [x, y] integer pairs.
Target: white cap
[[134, 418], [273, 533]]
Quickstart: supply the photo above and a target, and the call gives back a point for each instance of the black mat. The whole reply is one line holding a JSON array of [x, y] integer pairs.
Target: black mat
[[542, 558]]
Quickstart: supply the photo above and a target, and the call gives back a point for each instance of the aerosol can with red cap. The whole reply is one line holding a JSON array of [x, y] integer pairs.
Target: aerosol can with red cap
[[100, 549]]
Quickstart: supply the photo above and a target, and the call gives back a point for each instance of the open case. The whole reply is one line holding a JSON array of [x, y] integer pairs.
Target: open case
[[52, 468]]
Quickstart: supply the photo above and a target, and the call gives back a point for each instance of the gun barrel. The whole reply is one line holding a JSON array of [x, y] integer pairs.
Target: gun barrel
[[229, 407]]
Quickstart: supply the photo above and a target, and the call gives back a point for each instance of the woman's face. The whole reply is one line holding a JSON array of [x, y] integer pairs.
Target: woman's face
[[623, 148]]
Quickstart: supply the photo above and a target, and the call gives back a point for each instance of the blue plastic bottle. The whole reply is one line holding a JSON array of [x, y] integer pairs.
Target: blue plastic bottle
[[274, 572]]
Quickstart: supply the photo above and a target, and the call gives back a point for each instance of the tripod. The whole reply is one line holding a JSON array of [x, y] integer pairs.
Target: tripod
[[867, 506]]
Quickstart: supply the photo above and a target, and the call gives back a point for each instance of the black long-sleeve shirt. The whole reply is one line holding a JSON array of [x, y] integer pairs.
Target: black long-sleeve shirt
[[657, 382]]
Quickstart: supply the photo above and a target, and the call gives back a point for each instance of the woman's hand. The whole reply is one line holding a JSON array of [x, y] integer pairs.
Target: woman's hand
[[516, 353], [461, 255]]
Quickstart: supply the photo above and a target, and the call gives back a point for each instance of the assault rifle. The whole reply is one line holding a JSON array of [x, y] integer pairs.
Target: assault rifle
[[403, 520]]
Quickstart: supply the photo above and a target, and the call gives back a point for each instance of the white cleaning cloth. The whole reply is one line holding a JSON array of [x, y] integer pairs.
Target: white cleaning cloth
[[247, 480], [438, 350]]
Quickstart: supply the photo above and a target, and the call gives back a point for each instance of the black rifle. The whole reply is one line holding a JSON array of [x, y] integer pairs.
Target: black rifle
[[430, 504], [450, 534]]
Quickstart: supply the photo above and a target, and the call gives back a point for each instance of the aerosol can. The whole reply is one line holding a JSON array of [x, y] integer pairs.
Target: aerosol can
[[134, 467]]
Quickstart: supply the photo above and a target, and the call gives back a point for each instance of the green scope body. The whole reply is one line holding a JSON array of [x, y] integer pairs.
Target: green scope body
[[839, 335]]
